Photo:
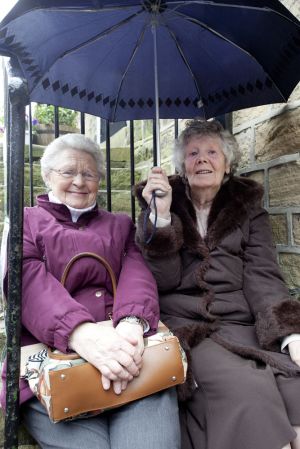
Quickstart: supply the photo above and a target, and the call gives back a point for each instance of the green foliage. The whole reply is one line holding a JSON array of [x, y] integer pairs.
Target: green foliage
[[45, 115]]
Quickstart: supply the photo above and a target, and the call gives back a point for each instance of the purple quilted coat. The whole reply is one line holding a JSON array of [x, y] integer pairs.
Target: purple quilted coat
[[50, 312]]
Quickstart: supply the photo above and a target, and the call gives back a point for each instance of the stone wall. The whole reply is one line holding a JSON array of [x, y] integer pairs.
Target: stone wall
[[270, 140]]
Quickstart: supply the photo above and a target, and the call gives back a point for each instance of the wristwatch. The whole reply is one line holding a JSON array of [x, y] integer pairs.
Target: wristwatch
[[136, 320]]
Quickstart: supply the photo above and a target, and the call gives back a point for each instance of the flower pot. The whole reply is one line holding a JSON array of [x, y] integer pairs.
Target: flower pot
[[45, 133]]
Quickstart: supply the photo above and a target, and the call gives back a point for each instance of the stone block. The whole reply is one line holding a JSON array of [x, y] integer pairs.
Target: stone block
[[284, 184], [295, 95], [296, 229], [144, 167], [278, 136], [293, 6], [120, 179], [290, 264], [144, 151], [279, 229], [120, 154], [244, 116], [37, 152], [245, 141], [120, 201]]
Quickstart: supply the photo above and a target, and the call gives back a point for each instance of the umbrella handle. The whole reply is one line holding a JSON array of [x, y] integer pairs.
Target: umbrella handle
[[159, 193]]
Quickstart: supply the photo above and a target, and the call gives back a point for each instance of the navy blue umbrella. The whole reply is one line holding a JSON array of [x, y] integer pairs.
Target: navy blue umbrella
[[146, 59]]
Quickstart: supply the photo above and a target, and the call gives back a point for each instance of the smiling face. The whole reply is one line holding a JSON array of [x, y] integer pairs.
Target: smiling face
[[78, 191], [205, 164]]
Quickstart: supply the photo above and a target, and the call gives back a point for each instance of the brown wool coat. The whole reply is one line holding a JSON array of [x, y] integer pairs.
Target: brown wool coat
[[228, 285]]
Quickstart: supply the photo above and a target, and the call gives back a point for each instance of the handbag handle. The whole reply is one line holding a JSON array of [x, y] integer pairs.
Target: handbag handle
[[99, 259], [74, 356]]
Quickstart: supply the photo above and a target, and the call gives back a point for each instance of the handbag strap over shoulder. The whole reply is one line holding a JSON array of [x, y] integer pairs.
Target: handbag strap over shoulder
[[99, 259]]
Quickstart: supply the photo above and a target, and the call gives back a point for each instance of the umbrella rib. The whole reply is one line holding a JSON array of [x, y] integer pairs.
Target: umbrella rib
[[227, 5], [70, 9], [101, 35], [198, 22], [181, 52], [138, 43], [93, 39]]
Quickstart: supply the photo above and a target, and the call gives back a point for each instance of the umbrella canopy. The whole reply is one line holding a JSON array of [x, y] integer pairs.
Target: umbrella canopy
[[103, 57]]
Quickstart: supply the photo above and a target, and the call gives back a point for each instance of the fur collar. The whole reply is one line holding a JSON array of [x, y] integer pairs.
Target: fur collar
[[229, 210]]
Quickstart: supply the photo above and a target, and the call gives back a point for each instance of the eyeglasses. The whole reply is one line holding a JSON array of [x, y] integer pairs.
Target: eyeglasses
[[71, 174]]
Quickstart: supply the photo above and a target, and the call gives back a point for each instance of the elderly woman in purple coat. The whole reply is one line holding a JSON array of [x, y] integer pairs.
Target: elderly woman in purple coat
[[66, 222], [222, 293]]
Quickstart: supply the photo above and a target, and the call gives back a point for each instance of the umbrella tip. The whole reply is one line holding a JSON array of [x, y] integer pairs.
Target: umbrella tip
[[154, 6]]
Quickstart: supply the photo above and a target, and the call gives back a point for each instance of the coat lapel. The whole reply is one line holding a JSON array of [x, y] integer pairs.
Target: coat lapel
[[229, 210]]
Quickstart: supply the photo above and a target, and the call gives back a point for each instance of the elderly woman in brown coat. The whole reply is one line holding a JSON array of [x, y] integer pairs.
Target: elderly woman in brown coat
[[222, 293]]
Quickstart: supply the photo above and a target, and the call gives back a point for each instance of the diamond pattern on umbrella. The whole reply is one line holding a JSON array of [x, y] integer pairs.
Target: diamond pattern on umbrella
[[65, 89], [46, 83], [74, 91], [106, 101], [150, 102], [55, 86], [209, 58]]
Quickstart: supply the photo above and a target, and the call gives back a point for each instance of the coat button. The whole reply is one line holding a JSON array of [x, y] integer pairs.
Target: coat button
[[98, 293], [81, 228]]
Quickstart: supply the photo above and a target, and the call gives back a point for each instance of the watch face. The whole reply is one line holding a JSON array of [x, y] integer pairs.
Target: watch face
[[133, 320]]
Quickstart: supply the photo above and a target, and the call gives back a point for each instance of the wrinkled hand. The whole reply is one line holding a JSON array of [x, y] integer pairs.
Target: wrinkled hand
[[158, 180], [133, 332], [129, 331], [294, 350], [116, 357]]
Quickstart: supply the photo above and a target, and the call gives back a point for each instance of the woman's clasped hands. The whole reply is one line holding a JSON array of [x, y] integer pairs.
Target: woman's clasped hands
[[115, 352]]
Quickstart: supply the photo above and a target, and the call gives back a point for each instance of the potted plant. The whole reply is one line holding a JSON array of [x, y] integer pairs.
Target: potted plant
[[43, 122]]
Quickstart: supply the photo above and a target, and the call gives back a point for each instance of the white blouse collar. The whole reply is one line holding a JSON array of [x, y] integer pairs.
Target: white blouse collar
[[75, 213]]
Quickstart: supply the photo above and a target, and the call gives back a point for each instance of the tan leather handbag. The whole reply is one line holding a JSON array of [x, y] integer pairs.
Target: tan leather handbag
[[70, 387]]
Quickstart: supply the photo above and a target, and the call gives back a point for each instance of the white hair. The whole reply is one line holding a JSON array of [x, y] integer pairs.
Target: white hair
[[73, 141], [199, 128]]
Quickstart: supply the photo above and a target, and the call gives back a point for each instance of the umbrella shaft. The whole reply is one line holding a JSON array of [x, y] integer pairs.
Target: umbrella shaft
[[156, 95]]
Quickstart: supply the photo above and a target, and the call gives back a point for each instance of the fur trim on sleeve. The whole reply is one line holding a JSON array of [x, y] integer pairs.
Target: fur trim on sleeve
[[278, 322], [166, 240]]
